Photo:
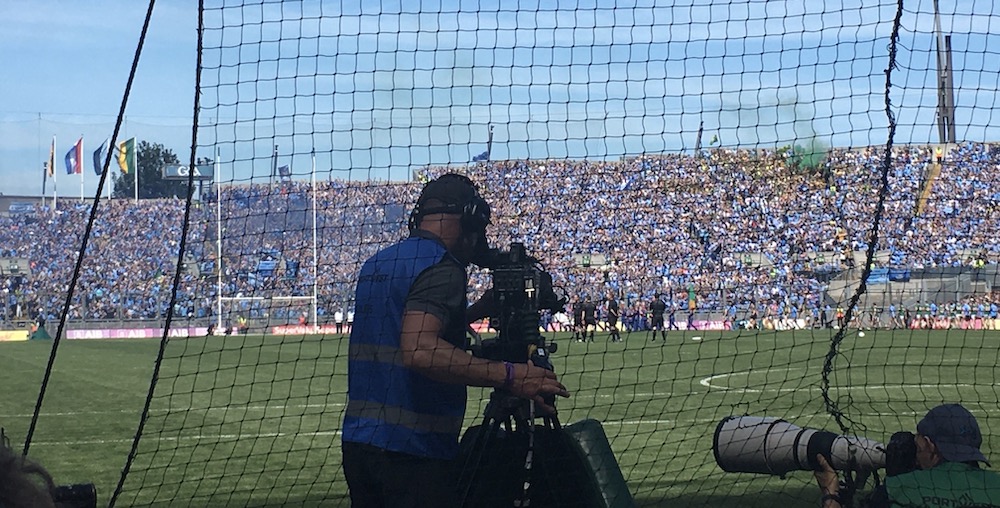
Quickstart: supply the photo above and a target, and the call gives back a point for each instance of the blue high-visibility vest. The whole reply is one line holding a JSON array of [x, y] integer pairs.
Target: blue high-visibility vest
[[389, 406]]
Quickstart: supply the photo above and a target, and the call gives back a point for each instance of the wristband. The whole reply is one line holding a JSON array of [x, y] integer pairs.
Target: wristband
[[830, 497], [508, 379]]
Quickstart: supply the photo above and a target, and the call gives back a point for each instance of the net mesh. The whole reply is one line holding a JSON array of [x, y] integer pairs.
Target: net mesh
[[810, 191]]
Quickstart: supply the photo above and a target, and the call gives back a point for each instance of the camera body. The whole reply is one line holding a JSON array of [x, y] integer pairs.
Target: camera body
[[83, 495], [521, 290], [901, 454]]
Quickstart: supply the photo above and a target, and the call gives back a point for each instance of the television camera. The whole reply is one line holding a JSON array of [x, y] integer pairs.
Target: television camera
[[521, 289]]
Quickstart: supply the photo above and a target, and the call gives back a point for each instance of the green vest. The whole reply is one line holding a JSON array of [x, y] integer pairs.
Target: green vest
[[949, 484]]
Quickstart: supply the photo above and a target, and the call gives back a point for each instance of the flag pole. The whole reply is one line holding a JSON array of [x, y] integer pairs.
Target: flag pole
[[489, 144], [274, 164], [315, 320], [107, 167], [79, 157], [697, 140], [45, 172], [55, 177], [135, 167]]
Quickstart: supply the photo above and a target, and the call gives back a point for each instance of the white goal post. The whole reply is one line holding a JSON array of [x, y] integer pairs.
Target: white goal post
[[266, 302]]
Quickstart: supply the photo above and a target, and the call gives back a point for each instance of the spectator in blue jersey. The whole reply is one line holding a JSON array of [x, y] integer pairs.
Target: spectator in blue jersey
[[408, 368]]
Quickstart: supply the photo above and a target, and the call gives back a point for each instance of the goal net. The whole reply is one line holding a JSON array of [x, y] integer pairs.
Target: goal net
[[793, 205], [268, 315]]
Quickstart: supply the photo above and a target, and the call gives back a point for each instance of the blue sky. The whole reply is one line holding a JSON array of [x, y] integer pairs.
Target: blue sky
[[378, 89]]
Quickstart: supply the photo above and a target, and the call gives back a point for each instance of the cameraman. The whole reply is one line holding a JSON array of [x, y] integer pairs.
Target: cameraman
[[947, 468], [408, 368]]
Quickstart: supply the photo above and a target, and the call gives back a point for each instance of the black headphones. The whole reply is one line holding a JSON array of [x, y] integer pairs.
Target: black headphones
[[475, 212]]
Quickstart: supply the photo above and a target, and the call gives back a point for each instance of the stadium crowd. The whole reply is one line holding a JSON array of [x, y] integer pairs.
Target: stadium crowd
[[740, 230]]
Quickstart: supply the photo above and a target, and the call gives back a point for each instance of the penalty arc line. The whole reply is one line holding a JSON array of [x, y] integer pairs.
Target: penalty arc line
[[707, 383]]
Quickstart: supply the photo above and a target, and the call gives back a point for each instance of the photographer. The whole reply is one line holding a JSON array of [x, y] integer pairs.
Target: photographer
[[23, 483], [946, 463], [408, 368]]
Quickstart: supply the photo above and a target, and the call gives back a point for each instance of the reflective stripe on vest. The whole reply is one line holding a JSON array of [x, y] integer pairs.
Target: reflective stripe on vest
[[394, 415]]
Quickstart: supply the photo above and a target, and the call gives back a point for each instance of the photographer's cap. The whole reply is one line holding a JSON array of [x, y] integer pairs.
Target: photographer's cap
[[955, 432]]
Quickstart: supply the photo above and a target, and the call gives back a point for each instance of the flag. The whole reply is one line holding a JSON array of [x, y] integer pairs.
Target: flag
[[285, 172], [126, 156], [99, 156], [51, 165], [485, 156], [715, 139], [74, 158]]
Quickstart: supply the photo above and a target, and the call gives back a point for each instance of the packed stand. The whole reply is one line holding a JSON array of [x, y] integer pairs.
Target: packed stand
[[725, 228]]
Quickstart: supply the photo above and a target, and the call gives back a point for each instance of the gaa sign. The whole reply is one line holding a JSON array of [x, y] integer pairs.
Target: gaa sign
[[179, 172]]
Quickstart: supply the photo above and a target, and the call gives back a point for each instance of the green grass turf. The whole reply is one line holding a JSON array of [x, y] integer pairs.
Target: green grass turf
[[254, 420]]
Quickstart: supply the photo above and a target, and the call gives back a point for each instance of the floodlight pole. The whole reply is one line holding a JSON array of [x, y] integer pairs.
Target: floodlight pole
[[945, 83]]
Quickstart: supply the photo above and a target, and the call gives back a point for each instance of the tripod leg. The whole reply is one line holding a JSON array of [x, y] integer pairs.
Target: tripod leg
[[472, 460]]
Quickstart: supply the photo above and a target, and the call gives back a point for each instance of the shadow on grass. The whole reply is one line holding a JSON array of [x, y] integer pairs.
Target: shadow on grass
[[791, 498]]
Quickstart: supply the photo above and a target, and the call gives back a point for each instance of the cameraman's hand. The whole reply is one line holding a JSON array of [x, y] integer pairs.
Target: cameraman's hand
[[537, 384], [826, 477]]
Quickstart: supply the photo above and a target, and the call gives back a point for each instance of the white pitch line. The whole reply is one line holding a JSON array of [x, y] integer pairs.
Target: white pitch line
[[238, 437], [181, 410], [188, 438], [707, 383], [644, 422], [609, 423], [289, 406]]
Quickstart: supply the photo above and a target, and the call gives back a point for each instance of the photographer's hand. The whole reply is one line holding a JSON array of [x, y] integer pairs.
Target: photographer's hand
[[537, 384], [829, 483]]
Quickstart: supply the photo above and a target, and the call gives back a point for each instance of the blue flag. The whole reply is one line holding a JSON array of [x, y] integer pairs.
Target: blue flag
[[285, 172], [99, 157], [485, 156]]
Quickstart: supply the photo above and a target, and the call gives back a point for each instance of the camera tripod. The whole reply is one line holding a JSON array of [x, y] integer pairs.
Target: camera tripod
[[492, 452], [519, 458]]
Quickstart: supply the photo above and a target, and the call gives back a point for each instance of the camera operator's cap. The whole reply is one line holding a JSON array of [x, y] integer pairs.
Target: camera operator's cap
[[955, 432], [450, 189], [458, 195]]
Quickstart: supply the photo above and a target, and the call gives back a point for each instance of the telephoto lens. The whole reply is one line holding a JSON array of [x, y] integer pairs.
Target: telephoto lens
[[754, 444]]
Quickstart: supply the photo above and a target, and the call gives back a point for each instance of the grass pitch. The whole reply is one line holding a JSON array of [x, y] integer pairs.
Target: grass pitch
[[254, 420]]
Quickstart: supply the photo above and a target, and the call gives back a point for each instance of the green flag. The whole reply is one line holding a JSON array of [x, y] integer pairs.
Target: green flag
[[126, 156]]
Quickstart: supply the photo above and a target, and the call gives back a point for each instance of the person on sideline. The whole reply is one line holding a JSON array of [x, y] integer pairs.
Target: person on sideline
[[408, 368]]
